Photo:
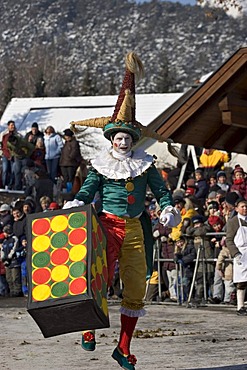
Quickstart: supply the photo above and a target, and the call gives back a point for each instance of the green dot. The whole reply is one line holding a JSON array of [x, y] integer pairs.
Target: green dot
[[59, 240], [59, 289], [41, 259], [77, 269], [77, 220]]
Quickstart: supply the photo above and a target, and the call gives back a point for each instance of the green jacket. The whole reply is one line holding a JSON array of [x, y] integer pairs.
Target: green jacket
[[21, 148]]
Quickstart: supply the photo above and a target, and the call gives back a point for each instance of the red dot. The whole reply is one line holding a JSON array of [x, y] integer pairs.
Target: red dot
[[100, 233], [78, 286], [105, 273], [41, 226], [77, 236], [131, 199], [41, 276], [94, 241], [59, 256], [98, 282], [93, 286]]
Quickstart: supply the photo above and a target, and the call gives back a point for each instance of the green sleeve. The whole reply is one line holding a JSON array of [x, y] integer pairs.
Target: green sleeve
[[158, 188], [89, 187]]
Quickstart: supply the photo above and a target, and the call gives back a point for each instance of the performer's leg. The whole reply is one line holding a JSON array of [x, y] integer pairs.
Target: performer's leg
[[114, 228], [133, 268]]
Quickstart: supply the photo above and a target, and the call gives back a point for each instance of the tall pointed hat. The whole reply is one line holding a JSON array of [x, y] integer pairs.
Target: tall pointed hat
[[123, 118]]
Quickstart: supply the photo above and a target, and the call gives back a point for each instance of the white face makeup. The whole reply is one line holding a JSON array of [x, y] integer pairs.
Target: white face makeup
[[122, 142]]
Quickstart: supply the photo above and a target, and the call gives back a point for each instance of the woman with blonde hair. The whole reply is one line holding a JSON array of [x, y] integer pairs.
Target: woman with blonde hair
[[53, 146]]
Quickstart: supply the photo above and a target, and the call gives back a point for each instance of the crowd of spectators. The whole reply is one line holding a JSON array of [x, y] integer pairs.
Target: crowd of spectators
[[207, 200], [40, 162], [43, 169]]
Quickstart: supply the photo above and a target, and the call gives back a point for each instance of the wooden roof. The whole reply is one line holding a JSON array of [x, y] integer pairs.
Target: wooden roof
[[213, 114]]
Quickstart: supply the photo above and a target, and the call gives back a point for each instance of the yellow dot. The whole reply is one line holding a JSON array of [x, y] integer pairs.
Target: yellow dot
[[129, 186], [99, 265], [104, 306], [78, 252], [60, 273], [59, 223], [93, 270], [41, 292], [94, 224], [104, 257], [41, 243]]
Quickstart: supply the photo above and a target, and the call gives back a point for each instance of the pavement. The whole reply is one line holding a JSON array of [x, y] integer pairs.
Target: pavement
[[168, 337]]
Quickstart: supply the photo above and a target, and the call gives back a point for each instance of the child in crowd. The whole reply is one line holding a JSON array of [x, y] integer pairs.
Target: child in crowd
[[198, 231], [217, 225], [38, 155], [8, 255], [185, 253], [222, 181], [4, 289], [225, 270], [239, 182], [201, 185], [21, 255]]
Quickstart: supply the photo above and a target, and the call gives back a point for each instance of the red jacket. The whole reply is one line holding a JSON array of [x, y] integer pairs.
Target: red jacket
[[5, 149]]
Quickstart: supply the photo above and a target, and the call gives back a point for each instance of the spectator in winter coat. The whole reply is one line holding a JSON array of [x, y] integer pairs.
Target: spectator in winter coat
[[5, 217], [33, 135], [10, 260], [212, 160], [198, 231], [38, 155], [200, 185], [20, 150], [19, 226], [43, 187], [239, 182], [70, 157], [185, 253], [7, 159], [53, 147], [187, 211], [222, 181]]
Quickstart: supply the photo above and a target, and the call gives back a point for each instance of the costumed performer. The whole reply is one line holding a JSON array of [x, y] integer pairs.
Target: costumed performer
[[121, 176]]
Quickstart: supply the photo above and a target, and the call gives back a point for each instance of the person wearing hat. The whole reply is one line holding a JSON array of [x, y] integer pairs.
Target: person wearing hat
[[236, 242], [239, 182], [5, 216], [185, 254], [35, 134], [121, 176], [222, 181], [8, 255], [187, 211], [230, 201], [70, 158], [201, 185], [198, 231]]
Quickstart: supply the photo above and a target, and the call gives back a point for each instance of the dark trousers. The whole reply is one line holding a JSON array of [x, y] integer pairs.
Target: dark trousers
[[68, 173], [13, 277]]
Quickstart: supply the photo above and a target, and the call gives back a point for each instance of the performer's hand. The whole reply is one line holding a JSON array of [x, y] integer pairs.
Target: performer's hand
[[170, 216], [73, 203]]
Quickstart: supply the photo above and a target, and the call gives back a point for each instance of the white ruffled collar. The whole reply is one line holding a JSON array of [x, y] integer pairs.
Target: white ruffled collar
[[116, 169]]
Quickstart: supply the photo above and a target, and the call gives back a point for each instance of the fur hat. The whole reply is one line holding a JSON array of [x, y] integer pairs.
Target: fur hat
[[68, 132], [197, 219], [212, 220], [221, 173]]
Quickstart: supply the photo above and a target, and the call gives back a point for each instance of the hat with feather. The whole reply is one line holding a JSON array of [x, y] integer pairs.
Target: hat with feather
[[123, 118]]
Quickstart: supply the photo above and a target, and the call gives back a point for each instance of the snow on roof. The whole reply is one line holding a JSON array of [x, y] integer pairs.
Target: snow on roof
[[59, 112]]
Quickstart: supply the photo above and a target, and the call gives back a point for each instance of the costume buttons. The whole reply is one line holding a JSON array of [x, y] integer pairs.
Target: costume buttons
[[131, 199], [129, 186]]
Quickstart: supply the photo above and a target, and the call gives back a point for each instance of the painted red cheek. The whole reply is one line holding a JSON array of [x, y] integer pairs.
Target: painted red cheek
[[116, 145]]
